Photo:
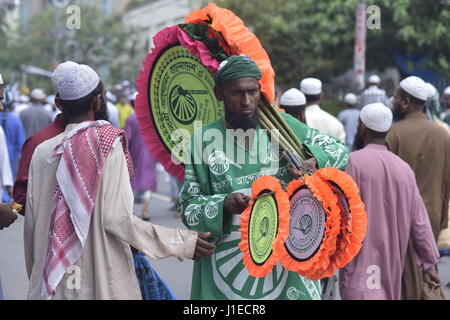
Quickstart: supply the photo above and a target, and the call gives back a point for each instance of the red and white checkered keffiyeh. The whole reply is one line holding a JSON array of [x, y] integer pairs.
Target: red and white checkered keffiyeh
[[81, 156]]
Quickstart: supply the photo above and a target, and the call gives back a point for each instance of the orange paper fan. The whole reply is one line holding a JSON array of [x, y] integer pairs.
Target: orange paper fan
[[319, 262], [239, 40], [261, 267], [354, 227]]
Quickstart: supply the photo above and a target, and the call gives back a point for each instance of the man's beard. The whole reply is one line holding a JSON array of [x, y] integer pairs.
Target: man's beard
[[358, 142], [236, 122], [102, 114], [397, 114]]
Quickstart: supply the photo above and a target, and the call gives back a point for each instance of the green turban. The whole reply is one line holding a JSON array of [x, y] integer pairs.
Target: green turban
[[236, 67]]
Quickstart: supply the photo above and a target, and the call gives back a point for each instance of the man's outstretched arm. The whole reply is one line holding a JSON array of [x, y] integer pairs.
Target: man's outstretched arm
[[116, 200]]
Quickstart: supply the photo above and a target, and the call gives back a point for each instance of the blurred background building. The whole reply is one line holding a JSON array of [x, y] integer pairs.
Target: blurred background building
[[303, 39], [164, 13]]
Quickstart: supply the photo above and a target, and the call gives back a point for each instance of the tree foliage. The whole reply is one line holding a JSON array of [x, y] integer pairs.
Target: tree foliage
[[103, 43], [316, 38]]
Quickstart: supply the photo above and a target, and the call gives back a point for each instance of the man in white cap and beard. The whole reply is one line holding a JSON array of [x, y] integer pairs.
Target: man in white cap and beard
[[316, 117], [349, 118], [373, 93], [425, 146], [36, 117], [395, 213], [79, 223]]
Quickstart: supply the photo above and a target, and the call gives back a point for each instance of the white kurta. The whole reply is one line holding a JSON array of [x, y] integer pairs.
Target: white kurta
[[324, 122], [5, 166], [105, 270]]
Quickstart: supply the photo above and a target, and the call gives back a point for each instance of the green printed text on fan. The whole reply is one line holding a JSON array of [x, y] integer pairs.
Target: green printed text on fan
[[181, 91]]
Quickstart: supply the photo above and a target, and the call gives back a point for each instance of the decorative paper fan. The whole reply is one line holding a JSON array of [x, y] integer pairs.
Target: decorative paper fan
[[314, 226], [175, 87], [353, 214], [236, 39], [264, 224]]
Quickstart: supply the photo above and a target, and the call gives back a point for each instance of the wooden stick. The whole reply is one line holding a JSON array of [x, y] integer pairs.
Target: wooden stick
[[281, 129], [288, 129], [271, 129], [269, 126]]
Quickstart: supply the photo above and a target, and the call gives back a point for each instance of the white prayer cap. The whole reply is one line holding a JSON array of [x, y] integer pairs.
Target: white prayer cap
[[292, 97], [111, 97], [415, 87], [374, 79], [311, 86], [38, 94], [1, 79], [376, 116], [350, 98], [447, 90], [60, 70], [77, 82]]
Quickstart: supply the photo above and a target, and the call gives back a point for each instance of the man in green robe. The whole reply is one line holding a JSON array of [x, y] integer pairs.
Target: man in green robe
[[226, 157]]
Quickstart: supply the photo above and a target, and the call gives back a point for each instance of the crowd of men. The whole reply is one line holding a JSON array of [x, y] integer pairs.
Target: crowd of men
[[402, 170], [78, 170]]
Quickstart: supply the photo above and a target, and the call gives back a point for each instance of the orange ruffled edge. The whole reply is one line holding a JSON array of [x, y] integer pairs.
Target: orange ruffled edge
[[314, 267], [281, 198], [240, 41], [354, 231]]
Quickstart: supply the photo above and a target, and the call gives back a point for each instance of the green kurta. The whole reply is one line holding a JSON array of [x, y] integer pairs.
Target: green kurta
[[207, 183]]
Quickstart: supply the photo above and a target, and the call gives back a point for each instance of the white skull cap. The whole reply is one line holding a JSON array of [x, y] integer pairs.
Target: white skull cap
[[415, 87], [59, 71], [375, 79], [38, 94], [292, 97], [350, 98], [376, 116], [311, 86], [76, 81], [447, 90]]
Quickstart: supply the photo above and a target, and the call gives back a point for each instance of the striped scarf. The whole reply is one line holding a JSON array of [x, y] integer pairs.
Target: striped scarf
[[82, 155]]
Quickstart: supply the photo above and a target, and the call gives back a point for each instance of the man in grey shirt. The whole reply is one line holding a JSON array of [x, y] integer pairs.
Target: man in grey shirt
[[36, 116], [373, 93], [349, 118]]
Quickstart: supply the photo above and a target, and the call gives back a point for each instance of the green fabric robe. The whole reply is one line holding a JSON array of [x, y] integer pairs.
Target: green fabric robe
[[207, 183]]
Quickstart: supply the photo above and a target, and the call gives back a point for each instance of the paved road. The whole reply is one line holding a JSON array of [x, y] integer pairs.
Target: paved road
[[12, 262], [177, 274]]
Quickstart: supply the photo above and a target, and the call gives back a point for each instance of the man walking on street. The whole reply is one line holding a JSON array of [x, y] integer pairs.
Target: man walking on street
[[316, 117], [395, 213], [425, 146], [82, 178]]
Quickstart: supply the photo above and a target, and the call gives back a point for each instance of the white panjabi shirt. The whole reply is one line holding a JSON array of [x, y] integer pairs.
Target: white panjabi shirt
[[5, 166], [324, 122], [105, 270]]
